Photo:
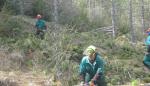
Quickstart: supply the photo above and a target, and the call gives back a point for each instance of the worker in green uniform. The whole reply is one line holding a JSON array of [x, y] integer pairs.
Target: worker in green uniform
[[92, 68]]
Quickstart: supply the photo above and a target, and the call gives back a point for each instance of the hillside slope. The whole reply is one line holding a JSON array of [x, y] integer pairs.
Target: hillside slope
[[59, 54]]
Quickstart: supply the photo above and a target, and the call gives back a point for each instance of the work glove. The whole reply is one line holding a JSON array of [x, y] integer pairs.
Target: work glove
[[81, 83], [95, 77], [81, 78], [92, 83], [84, 84], [44, 30], [98, 74]]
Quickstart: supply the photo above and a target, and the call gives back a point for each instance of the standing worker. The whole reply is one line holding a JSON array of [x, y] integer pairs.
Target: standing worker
[[40, 26]]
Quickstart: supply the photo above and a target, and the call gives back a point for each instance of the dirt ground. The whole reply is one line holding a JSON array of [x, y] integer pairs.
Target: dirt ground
[[16, 78]]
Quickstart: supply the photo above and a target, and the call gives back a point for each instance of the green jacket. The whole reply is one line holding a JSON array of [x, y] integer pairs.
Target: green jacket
[[147, 42], [91, 69], [40, 24], [147, 60]]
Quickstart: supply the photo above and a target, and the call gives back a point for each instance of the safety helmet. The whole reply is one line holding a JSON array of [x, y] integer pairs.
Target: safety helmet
[[147, 31], [38, 16], [90, 49]]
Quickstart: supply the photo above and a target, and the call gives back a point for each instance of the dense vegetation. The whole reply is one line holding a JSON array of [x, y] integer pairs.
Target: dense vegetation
[[70, 30]]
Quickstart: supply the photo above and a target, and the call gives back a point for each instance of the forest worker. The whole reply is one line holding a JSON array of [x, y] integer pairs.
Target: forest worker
[[146, 60], [92, 68], [147, 41], [40, 26]]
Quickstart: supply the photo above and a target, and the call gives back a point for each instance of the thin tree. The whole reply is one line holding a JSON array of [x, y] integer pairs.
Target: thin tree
[[131, 22], [101, 7], [89, 7], [2, 2], [142, 16], [113, 17], [21, 5], [55, 3]]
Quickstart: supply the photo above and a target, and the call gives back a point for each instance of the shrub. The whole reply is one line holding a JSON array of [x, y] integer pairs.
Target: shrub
[[40, 7], [2, 2], [11, 6], [10, 27]]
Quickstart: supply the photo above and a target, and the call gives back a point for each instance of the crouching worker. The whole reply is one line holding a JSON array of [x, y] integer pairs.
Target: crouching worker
[[92, 68]]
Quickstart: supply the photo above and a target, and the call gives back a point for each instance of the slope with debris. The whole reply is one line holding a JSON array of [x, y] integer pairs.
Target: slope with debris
[[17, 78]]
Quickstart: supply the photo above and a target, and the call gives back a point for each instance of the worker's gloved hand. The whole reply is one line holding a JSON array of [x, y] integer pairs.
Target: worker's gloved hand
[[82, 83], [92, 82], [81, 78], [86, 84], [95, 77], [98, 74]]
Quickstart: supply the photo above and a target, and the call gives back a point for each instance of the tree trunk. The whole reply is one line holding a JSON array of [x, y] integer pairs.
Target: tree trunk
[[131, 22], [55, 11], [142, 16], [21, 3], [113, 17], [89, 7], [101, 7]]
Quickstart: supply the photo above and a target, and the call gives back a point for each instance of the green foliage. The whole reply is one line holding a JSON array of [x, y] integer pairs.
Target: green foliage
[[11, 6], [29, 42], [115, 79], [123, 29], [64, 48], [2, 2], [64, 65], [29, 63], [109, 44], [134, 83], [40, 7], [10, 27], [147, 80], [126, 52]]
